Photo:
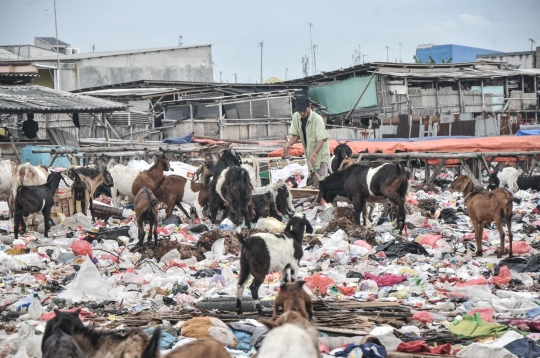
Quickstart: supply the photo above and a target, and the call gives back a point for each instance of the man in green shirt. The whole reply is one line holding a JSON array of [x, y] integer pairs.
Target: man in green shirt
[[308, 127]]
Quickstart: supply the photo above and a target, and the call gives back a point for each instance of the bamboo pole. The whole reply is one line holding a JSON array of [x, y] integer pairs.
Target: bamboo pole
[[361, 94]]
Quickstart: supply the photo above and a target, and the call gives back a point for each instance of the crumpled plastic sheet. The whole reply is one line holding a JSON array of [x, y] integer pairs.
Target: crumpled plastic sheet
[[87, 285], [398, 250], [386, 280]]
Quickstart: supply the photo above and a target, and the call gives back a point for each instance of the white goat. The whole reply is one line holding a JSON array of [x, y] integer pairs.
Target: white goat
[[27, 175], [509, 176], [289, 340], [123, 178], [8, 170]]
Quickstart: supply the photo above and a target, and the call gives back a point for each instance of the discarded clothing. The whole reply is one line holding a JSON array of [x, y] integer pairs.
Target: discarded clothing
[[519, 264], [449, 215], [369, 350], [386, 280], [474, 327], [181, 140], [511, 344], [421, 346], [394, 250]]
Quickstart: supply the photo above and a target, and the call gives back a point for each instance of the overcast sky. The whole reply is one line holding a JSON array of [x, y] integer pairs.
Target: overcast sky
[[234, 28]]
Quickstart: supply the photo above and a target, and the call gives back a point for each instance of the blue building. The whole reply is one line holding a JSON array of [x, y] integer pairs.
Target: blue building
[[456, 53]]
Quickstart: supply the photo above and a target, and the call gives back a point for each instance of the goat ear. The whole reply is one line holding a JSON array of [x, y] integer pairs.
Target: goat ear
[[283, 286], [309, 228], [300, 283]]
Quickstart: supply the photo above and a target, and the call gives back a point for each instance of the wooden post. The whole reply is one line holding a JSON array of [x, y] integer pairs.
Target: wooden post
[[437, 97], [535, 100], [460, 99], [427, 169], [437, 170], [191, 117], [105, 128], [468, 171], [483, 104], [522, 89], [221, 128]]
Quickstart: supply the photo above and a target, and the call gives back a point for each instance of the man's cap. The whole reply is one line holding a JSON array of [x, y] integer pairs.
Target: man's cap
[[301, 103]]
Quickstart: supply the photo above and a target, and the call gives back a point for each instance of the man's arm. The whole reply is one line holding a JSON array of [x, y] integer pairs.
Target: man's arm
[[316, 152], [289, 144]]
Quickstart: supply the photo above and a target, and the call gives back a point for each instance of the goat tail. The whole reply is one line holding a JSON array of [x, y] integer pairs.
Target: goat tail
[[152, 349], [515, 200], [239, 235]]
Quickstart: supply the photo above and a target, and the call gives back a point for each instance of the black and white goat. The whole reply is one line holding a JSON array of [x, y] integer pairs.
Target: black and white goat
[[264, 253], [33, 199], [359, 182], [511, 177], [272, 200], [341, 152]]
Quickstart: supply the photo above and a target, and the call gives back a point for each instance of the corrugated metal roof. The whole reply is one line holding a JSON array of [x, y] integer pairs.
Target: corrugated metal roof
[[80, 56], [38, 99], [52, 41]]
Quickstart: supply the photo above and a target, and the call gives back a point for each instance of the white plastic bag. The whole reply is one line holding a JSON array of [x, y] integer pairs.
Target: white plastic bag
[[35, 311], [270, 224], [87, 285]]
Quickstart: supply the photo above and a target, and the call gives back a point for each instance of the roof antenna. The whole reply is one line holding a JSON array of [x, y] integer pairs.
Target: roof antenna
[[180, 40]]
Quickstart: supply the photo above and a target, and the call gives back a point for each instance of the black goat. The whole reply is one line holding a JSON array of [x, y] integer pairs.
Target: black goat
[[341, 152], [57, 340], [359, 182], [229, 158], [33, 199], [263, 253], [232, 189]]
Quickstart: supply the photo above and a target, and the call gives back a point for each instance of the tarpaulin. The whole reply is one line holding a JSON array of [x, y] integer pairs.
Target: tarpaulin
[[524, 132], [442, 145], [341, 97], [474, 327], [182, 140]]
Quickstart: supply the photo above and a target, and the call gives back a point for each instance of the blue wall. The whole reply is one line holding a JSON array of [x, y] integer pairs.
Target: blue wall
[[456, 52]]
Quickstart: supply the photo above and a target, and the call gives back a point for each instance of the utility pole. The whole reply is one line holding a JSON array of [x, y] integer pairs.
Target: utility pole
[[93, 47], [261, 45], [234, 74], [400, 47], [57, 50], [364, 59], [314, 60], [311, 47], [220, 72], [532, 43], [387, 48], [286, 69]]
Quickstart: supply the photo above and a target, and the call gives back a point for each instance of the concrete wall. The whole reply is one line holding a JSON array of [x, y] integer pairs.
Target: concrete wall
[[521, 59], [193, 64]]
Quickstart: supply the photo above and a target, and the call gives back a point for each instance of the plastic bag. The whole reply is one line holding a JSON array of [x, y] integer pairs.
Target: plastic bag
[[423, 316], [271, 224], [319, 281], [35, 311], [430, 240], [364, 244], [82, 248], [486, 313], [521, 247], [503, 278], [227, 225], [87, 285]]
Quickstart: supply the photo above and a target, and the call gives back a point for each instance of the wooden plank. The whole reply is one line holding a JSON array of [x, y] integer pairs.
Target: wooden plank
[[437, 170], [469, 171], [303, 193], [396, 354]]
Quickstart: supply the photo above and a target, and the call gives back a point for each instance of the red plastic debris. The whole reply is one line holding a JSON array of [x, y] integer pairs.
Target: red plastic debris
[[82, 248], [503, 278], [423, 316]]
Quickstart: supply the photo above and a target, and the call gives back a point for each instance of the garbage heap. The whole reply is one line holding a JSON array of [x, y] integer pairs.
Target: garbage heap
[[372, 289]]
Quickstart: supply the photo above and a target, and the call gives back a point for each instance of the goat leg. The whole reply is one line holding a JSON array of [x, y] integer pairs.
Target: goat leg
[[509, 228], [478, 230], [501, 236], [254, 287], [47, 216], [358, 203], [153, 228]]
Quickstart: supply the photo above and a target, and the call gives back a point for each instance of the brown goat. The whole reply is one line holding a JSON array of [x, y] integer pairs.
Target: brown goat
[[153, 176], [84, 188], [204, 347], [292, 297], [347, 162], [278, 343], [146, 209], [495, 205], [205, 172], [176, 190]]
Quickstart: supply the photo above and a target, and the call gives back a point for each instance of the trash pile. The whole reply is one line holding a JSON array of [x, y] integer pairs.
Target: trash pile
[[373, 291]]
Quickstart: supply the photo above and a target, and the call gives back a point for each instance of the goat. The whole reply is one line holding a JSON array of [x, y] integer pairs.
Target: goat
[[96, 343], [123, 178], [146, 209], [254, 175], [293, 297], [507, 176], [205, 172], [341, 152], [232, 189], [523, 183], [229, 158], [84, 187], [28, 175], [203, 347], [58, 341], [176, 190], [277, 203], [359, 182], [8, 170], [345, 163], [153, 177], [264, 253], [32, 199], [291, 335], [495, 205]]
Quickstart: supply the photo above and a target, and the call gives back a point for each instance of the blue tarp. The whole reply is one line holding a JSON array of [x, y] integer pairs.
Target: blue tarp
[[181, 140], [524, 132]]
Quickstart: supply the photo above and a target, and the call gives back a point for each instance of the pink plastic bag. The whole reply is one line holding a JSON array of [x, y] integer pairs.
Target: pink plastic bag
[[486, 313], [430, 240], [476, 281], [386, 280], [82, 248], [319, 281], [521, 247], [364, 244], [423, 316], [503, 278], [472, 237]]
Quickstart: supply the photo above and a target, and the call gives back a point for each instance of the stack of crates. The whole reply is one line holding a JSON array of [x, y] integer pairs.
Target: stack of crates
[[63, 203]]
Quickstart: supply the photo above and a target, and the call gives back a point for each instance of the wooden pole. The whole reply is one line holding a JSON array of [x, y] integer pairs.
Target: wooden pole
[[104, 118], [361, 94]]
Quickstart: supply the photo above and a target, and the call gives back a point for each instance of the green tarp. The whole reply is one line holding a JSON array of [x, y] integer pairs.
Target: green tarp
[[340, 97]]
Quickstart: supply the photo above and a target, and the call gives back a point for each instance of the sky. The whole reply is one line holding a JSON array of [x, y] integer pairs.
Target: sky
[[234, 29]]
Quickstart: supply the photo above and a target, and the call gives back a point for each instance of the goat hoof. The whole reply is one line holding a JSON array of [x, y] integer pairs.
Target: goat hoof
[[479, 254]]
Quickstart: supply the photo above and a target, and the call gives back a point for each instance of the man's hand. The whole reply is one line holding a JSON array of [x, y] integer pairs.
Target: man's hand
[[313, 160], [286, 149]]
